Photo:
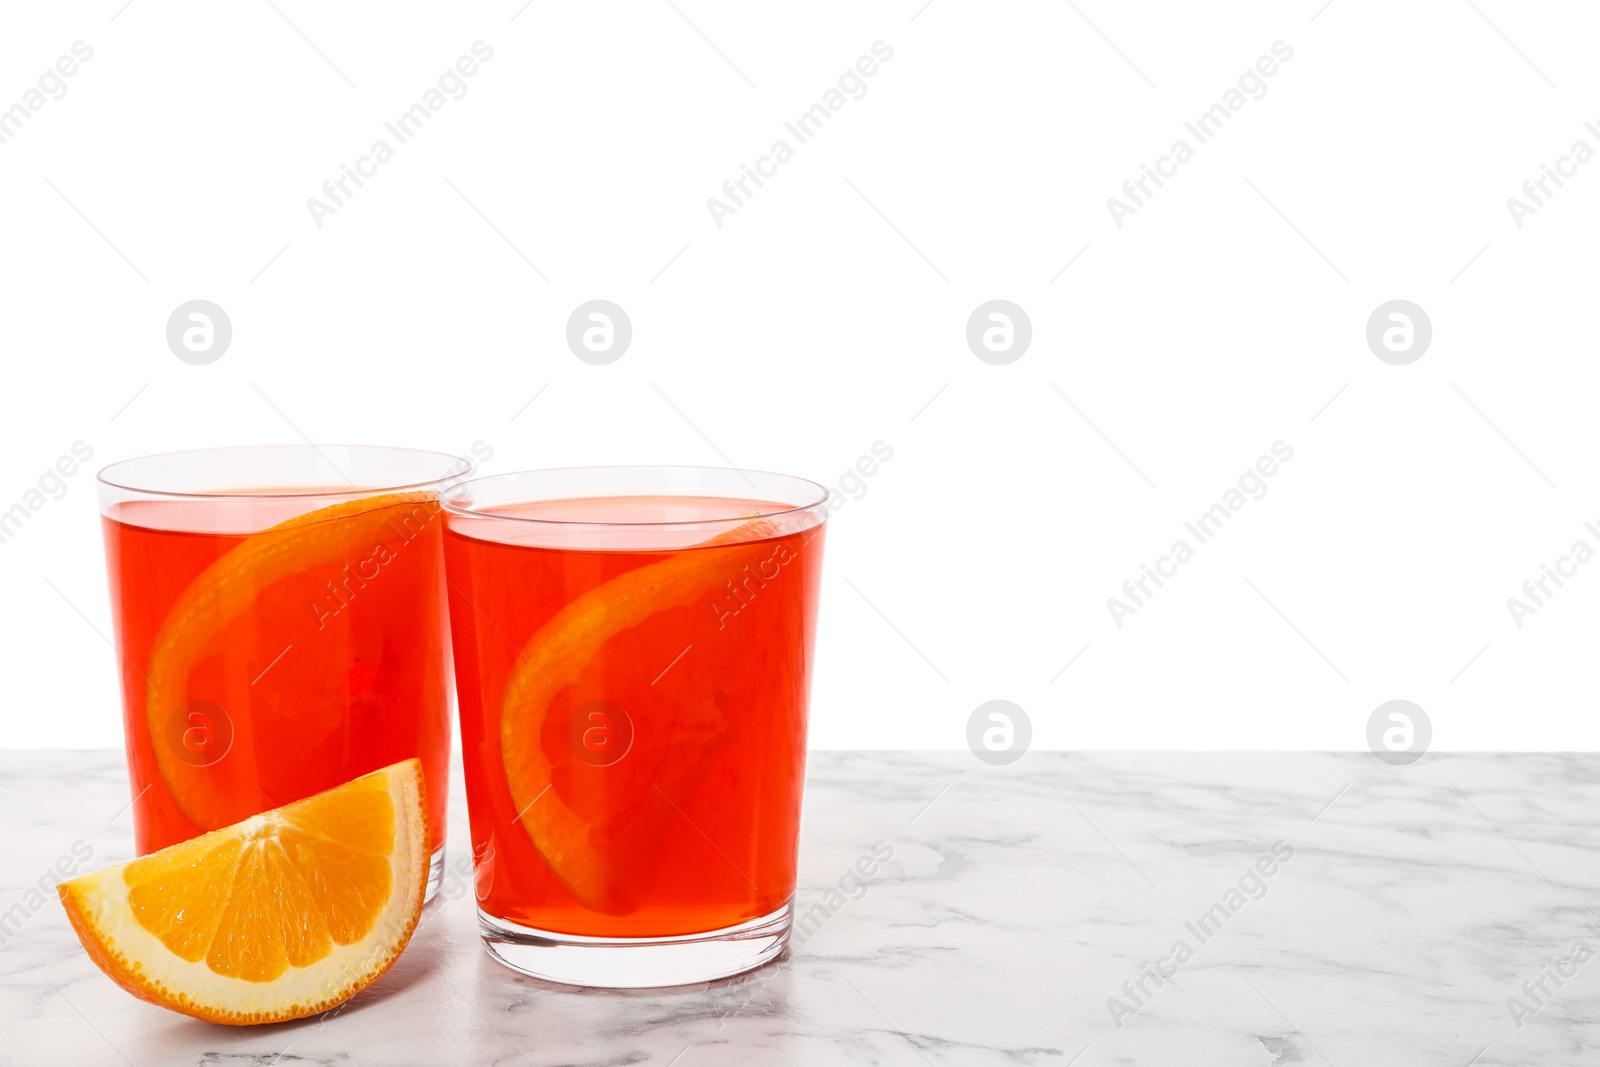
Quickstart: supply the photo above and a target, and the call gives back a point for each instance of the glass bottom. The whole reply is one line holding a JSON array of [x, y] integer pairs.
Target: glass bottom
[[637, 962], [435, 874]]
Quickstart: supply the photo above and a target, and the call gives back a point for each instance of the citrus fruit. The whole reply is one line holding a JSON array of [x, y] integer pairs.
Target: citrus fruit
[[283, 915], [597, 824], [277, 589]]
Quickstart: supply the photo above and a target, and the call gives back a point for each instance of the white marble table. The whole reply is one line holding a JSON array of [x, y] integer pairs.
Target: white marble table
[[1416, 902]]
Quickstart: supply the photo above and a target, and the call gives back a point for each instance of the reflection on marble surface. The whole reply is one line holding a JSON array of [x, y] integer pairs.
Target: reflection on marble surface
[[1331, 909]]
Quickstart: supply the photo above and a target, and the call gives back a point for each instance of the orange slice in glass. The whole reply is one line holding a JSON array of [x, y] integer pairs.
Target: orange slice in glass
[[597, 826], [284, 915], [254, 603]]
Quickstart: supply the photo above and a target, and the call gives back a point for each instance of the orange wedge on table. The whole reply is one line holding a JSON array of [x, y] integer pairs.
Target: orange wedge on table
[[598, 827], [251, 604], [283, 915]]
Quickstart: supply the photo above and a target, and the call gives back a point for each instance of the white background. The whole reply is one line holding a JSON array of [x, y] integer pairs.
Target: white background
[[829, 313]]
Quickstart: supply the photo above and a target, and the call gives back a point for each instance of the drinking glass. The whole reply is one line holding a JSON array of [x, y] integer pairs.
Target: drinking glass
[[280, 621], [633, 651]]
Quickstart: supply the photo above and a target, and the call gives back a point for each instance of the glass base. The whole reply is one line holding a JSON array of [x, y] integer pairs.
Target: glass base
[[637, 962], [435, 874]]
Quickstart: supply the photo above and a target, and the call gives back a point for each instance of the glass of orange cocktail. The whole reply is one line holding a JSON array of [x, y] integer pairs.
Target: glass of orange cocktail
[[633, 651], [280, 623]]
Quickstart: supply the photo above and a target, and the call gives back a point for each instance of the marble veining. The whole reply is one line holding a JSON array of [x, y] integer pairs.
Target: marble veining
[[1330, 909]]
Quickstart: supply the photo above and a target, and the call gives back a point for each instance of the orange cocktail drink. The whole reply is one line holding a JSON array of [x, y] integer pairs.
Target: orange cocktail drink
[[279, 617], [633, 656]]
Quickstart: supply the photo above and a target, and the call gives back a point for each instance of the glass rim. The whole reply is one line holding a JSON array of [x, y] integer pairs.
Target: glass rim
[[499, 516], [107, 476]]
